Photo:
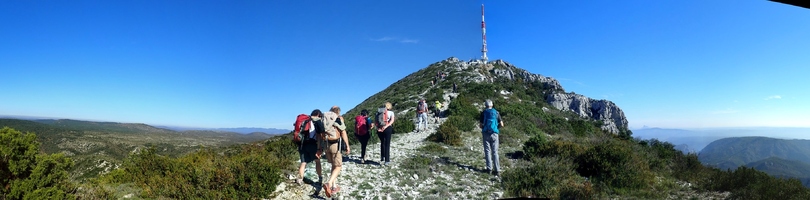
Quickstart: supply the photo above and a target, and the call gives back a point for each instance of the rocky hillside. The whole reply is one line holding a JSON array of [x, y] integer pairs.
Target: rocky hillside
[[469, 75]]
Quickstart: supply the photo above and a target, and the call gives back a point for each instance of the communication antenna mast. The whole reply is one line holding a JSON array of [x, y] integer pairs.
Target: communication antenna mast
[[484, 35]]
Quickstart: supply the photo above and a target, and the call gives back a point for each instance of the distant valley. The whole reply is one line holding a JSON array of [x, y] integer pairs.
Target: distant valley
[[98, 147]]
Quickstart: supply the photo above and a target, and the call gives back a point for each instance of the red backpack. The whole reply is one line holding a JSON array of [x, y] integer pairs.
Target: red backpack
[[360, 125], [302, 124]]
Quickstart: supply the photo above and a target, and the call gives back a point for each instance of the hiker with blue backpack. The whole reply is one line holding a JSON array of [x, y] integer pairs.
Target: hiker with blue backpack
[[490, 121], [362, 130]]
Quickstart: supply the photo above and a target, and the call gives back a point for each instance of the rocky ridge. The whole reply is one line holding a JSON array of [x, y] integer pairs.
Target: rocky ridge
[[607, 112]]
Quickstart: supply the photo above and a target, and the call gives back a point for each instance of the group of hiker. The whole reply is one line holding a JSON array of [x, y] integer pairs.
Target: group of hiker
[[321, 133], [325, 133]]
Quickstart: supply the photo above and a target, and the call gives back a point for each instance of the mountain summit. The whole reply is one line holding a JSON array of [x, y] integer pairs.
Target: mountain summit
[[497, 80]]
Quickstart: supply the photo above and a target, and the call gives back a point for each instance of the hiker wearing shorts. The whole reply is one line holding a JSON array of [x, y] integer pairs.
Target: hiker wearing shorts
[[490, 121], [308, 150], [385, 121], [421, 115], [335, 134]]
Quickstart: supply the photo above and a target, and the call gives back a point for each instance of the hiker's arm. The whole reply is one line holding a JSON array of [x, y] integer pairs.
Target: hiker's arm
[[341, 125], [391, 122], [346, 140], [499, 119]]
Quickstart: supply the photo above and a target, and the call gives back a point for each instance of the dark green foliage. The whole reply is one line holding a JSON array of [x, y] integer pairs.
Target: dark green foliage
[[582, 128], [25, 173], [565, 149], [747, 183], [448, 133], [661, 153], [239, 172], [433, 148], [550, 177], [463, 124], [616, 164], [462, 107], [532, 148], [404, 123]]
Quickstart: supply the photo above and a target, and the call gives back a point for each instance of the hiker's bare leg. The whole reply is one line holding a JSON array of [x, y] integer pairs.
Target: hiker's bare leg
[[333, 176], [301, 169], [318, 167]]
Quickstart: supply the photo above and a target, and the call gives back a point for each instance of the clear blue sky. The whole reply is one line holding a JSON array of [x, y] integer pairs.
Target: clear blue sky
[[675, 64]]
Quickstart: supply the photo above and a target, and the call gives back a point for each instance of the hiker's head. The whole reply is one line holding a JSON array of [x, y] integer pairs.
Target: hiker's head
[[335, 109], [488, 103], [388, 105], [364, 112], [316, 113]]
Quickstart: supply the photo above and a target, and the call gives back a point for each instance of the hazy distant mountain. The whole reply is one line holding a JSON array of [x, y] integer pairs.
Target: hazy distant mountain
[[243, 130], [697, 139], [782, 167], [730, 153]]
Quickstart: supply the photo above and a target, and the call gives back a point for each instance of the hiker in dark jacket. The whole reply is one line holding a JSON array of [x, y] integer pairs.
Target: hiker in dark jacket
[[310, 147], [363, 132]]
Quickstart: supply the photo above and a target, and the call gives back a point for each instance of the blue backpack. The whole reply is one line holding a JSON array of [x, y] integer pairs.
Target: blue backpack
[[491, 120]]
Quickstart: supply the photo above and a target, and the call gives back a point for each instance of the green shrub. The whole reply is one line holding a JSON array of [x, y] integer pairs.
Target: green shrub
[[28, 174], [565, 149], [550, 177], [404, 123], [463, 124], [616, 164], [433, 148], [448, 134], [749, 183], [462, 107], [532, 148], [239, 172]]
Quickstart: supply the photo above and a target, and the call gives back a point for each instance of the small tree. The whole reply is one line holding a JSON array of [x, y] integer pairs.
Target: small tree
[[27, 174]]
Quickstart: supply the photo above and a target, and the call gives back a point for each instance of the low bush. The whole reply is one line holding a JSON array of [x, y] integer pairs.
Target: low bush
[[463, 124], [550, 177], [565, 149], [615, 163], [239, 172], [448, 134], [433, 148], [404, 123]]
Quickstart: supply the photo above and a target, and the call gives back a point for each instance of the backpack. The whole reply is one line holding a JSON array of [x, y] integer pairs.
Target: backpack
[[490, 120], [302, 124], [360, 125], [421, 108], [382, 118]]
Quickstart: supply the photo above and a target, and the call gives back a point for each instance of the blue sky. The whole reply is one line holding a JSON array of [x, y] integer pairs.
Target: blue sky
[[673, 64]]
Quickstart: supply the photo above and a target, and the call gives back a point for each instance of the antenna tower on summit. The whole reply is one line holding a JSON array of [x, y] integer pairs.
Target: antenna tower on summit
[[484, 35]]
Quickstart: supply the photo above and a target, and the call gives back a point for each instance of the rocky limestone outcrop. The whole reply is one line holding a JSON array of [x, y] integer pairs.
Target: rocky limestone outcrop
[[606, 111], [612, 116]]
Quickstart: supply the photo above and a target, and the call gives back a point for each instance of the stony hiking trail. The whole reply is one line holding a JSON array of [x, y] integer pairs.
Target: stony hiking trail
[[374, 181]]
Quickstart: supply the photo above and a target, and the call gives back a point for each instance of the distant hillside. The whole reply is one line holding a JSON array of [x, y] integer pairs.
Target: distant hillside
[[98, 147], [730, 153], [782, 167], [242, 130]]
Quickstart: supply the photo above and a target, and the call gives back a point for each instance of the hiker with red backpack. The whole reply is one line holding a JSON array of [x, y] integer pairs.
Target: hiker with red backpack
[[490, 121], [385, 121], [334, 135], [421, 115], [362, 130], [305, 135]]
